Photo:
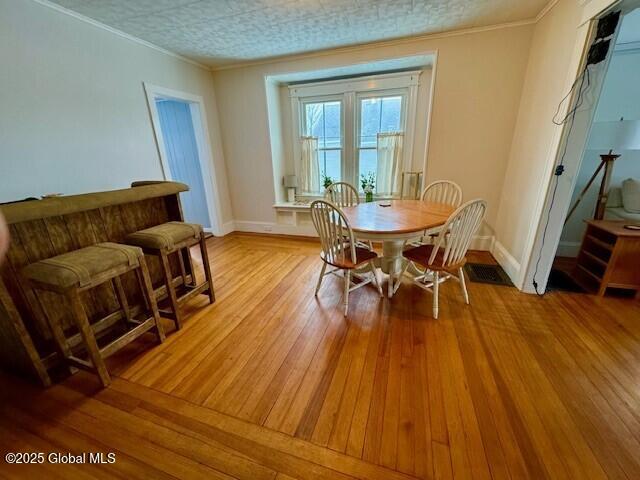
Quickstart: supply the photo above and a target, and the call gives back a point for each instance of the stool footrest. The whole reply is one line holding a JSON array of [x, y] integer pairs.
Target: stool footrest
[[193, 291], [127, 337], [81, 363]]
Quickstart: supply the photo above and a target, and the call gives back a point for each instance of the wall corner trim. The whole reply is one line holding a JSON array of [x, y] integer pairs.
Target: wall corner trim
[[227, 228], [547, 8], [507, 261]]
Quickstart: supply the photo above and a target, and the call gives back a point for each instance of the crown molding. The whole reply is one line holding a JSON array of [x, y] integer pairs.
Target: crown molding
[[378, 44], [398, 41], [120, 33], [313, 54], [547, 8]]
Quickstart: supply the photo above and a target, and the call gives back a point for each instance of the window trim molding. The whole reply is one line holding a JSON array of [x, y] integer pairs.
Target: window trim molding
[[351, 90]]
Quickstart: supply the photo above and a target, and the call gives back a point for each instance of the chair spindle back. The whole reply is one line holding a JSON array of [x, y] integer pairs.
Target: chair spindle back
[[336, 237], [443, 191], [342, 194], [456, 235]]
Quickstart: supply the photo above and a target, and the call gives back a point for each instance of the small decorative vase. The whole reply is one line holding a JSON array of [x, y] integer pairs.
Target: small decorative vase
[[368, 197]]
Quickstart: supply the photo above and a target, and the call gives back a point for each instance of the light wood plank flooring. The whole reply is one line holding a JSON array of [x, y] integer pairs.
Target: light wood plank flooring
[[272, 383]]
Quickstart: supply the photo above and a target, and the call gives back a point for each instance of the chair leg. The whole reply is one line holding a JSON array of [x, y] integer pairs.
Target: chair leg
[[191, 267], [324, 268], [463, 284], [183, 271], [82, 322], [375, 278], [436, 289], [171, 291], [347, 284], [124, 304], [149, 294], [59, 337], [207, 269], [141, 287]]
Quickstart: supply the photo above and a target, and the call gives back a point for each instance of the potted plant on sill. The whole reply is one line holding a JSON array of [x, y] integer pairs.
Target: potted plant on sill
[[326, 181], [368, 184]]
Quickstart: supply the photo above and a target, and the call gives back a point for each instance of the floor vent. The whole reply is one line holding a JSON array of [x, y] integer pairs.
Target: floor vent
[[483, 273]]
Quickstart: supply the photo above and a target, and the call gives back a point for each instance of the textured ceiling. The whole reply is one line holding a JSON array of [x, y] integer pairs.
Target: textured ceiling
[[218, 32]]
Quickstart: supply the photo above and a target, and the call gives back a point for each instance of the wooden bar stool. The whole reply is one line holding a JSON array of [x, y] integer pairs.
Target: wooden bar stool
[[74, 272], [176, 237]]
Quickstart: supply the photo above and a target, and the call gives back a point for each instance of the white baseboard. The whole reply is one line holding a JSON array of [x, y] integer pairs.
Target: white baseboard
[[510, 265], [568, 249], [484, 243], [274, 228], [227, 228]]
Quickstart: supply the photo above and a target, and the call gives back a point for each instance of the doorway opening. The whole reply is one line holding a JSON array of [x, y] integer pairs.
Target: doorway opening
[[181, 133], [595, 253]]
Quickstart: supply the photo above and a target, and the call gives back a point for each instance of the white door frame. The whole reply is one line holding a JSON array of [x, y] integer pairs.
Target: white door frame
[[593, 9], [203, 143]]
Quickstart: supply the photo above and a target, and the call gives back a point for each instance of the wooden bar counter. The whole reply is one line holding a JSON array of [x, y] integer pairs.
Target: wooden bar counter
[[45, 228]]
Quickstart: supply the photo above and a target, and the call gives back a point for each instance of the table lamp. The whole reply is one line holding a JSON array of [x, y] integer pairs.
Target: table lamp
[[291, 183], [619, 136]]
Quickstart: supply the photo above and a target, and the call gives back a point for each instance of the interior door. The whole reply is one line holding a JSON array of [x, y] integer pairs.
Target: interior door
[[181, 149]]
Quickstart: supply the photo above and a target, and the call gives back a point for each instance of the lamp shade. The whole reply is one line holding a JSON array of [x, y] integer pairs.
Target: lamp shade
[[618, 135], [290, 181]]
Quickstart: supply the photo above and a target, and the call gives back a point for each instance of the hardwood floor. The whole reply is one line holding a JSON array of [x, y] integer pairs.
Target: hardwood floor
[[272, 383]]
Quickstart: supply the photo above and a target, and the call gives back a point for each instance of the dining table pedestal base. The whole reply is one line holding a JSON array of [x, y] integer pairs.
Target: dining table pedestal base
[[394, 223]]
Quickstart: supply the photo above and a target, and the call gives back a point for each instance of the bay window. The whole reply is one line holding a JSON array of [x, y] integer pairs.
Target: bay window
[[346, 119]]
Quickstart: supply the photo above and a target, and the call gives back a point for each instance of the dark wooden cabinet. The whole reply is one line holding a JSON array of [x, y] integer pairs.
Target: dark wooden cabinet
[[609, 257]]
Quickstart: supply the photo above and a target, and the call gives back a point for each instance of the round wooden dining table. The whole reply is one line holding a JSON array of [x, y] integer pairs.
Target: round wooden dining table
[[393, 222]]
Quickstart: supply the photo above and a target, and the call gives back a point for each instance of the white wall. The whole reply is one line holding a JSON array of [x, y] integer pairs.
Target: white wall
[[73, 113], [478, 82], [620, 97], [549, 74]]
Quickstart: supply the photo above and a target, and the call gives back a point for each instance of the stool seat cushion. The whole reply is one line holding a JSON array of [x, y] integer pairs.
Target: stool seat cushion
[[165, 236], [81, 267]]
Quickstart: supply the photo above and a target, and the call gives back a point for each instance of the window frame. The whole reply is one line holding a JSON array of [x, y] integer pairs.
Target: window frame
[[350, 91]]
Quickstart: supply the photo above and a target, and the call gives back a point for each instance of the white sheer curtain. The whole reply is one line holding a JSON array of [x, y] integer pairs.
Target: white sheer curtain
[[389, 163], [309, 168]]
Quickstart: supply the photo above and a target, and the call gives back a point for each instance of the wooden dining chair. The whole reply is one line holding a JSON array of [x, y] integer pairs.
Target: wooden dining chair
[[339, 248], [443, 191], [343, 194], [440, 191], [447, 256]]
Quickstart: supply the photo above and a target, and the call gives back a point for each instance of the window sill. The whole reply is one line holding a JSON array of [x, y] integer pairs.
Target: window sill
[[311, 198], [292, 206]]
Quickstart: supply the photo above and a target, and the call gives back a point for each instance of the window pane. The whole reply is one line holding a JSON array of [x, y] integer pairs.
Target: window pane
[[330, 164], [390, 118], [368, 163], [381, 114], [332, 124], [314, 119], [322, 120], [370, 117]]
